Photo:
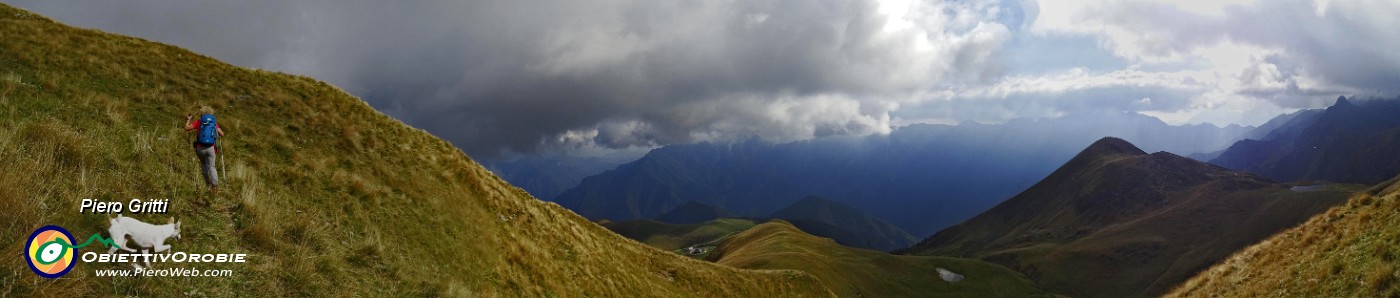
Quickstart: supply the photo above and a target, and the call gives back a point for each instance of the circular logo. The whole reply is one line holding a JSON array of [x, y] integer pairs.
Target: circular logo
[[50, 251]]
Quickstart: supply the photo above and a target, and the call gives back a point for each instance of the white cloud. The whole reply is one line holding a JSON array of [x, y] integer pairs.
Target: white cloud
[[1239, 61], [1079, 80]]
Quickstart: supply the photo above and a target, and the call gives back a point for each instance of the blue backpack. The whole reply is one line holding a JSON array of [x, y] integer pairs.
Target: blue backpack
[[208, 132]]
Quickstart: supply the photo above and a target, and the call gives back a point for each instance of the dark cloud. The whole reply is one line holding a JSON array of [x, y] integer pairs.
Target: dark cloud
[[1347, 43], [525, 76], [530, 76]]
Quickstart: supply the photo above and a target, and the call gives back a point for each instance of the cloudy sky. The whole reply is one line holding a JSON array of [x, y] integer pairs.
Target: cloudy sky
[[546, 76]]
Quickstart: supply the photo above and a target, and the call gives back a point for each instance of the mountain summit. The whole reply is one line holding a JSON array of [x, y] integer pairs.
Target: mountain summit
[[1342, 102], [1110, 146]]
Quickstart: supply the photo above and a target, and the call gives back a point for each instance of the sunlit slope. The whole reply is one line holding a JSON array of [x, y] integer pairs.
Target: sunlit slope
[[671, 237], [845, 224], [1349, 251], [854, 272], [330, 197]]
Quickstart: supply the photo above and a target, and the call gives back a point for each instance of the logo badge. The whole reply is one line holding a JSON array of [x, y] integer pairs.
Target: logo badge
[[50, 251]]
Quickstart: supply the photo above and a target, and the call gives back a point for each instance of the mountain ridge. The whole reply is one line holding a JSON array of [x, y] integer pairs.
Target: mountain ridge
[[1347, 142], [919, 177]]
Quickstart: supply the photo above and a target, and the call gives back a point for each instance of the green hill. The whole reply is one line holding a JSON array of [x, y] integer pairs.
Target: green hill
[[673, 237], [847, 225], [854, 272], [1349, 251], [1116, 221], [328, 196]]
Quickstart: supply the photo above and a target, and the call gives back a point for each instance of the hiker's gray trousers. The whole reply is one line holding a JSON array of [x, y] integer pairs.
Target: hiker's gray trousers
[[207, 157]]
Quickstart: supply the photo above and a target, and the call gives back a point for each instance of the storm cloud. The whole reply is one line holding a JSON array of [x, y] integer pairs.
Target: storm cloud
[[499, 77], [524, 76]]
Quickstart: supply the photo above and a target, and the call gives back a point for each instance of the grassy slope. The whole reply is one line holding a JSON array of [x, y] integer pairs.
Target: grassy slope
[[328, 195], [853, 272], [671, 237], [1349, 251]]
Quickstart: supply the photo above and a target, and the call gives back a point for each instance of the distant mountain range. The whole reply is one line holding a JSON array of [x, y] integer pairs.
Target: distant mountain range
[[1348, 142], [1271, 130], [1143, 222], [545, 177], [920, 178]]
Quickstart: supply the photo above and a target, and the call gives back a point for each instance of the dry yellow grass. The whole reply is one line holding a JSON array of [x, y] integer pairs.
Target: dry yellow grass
[[330, 197], [1349, 251], [854, 272]]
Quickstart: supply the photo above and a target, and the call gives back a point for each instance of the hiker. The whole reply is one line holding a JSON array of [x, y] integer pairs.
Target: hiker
[[208, 134]]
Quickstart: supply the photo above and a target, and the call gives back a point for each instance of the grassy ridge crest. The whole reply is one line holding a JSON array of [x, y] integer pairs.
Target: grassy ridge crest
[[855, 272]]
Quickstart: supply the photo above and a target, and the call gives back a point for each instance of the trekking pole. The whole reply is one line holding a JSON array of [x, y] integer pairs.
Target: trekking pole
[[198, 166], [222, 168], [198, 163]]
